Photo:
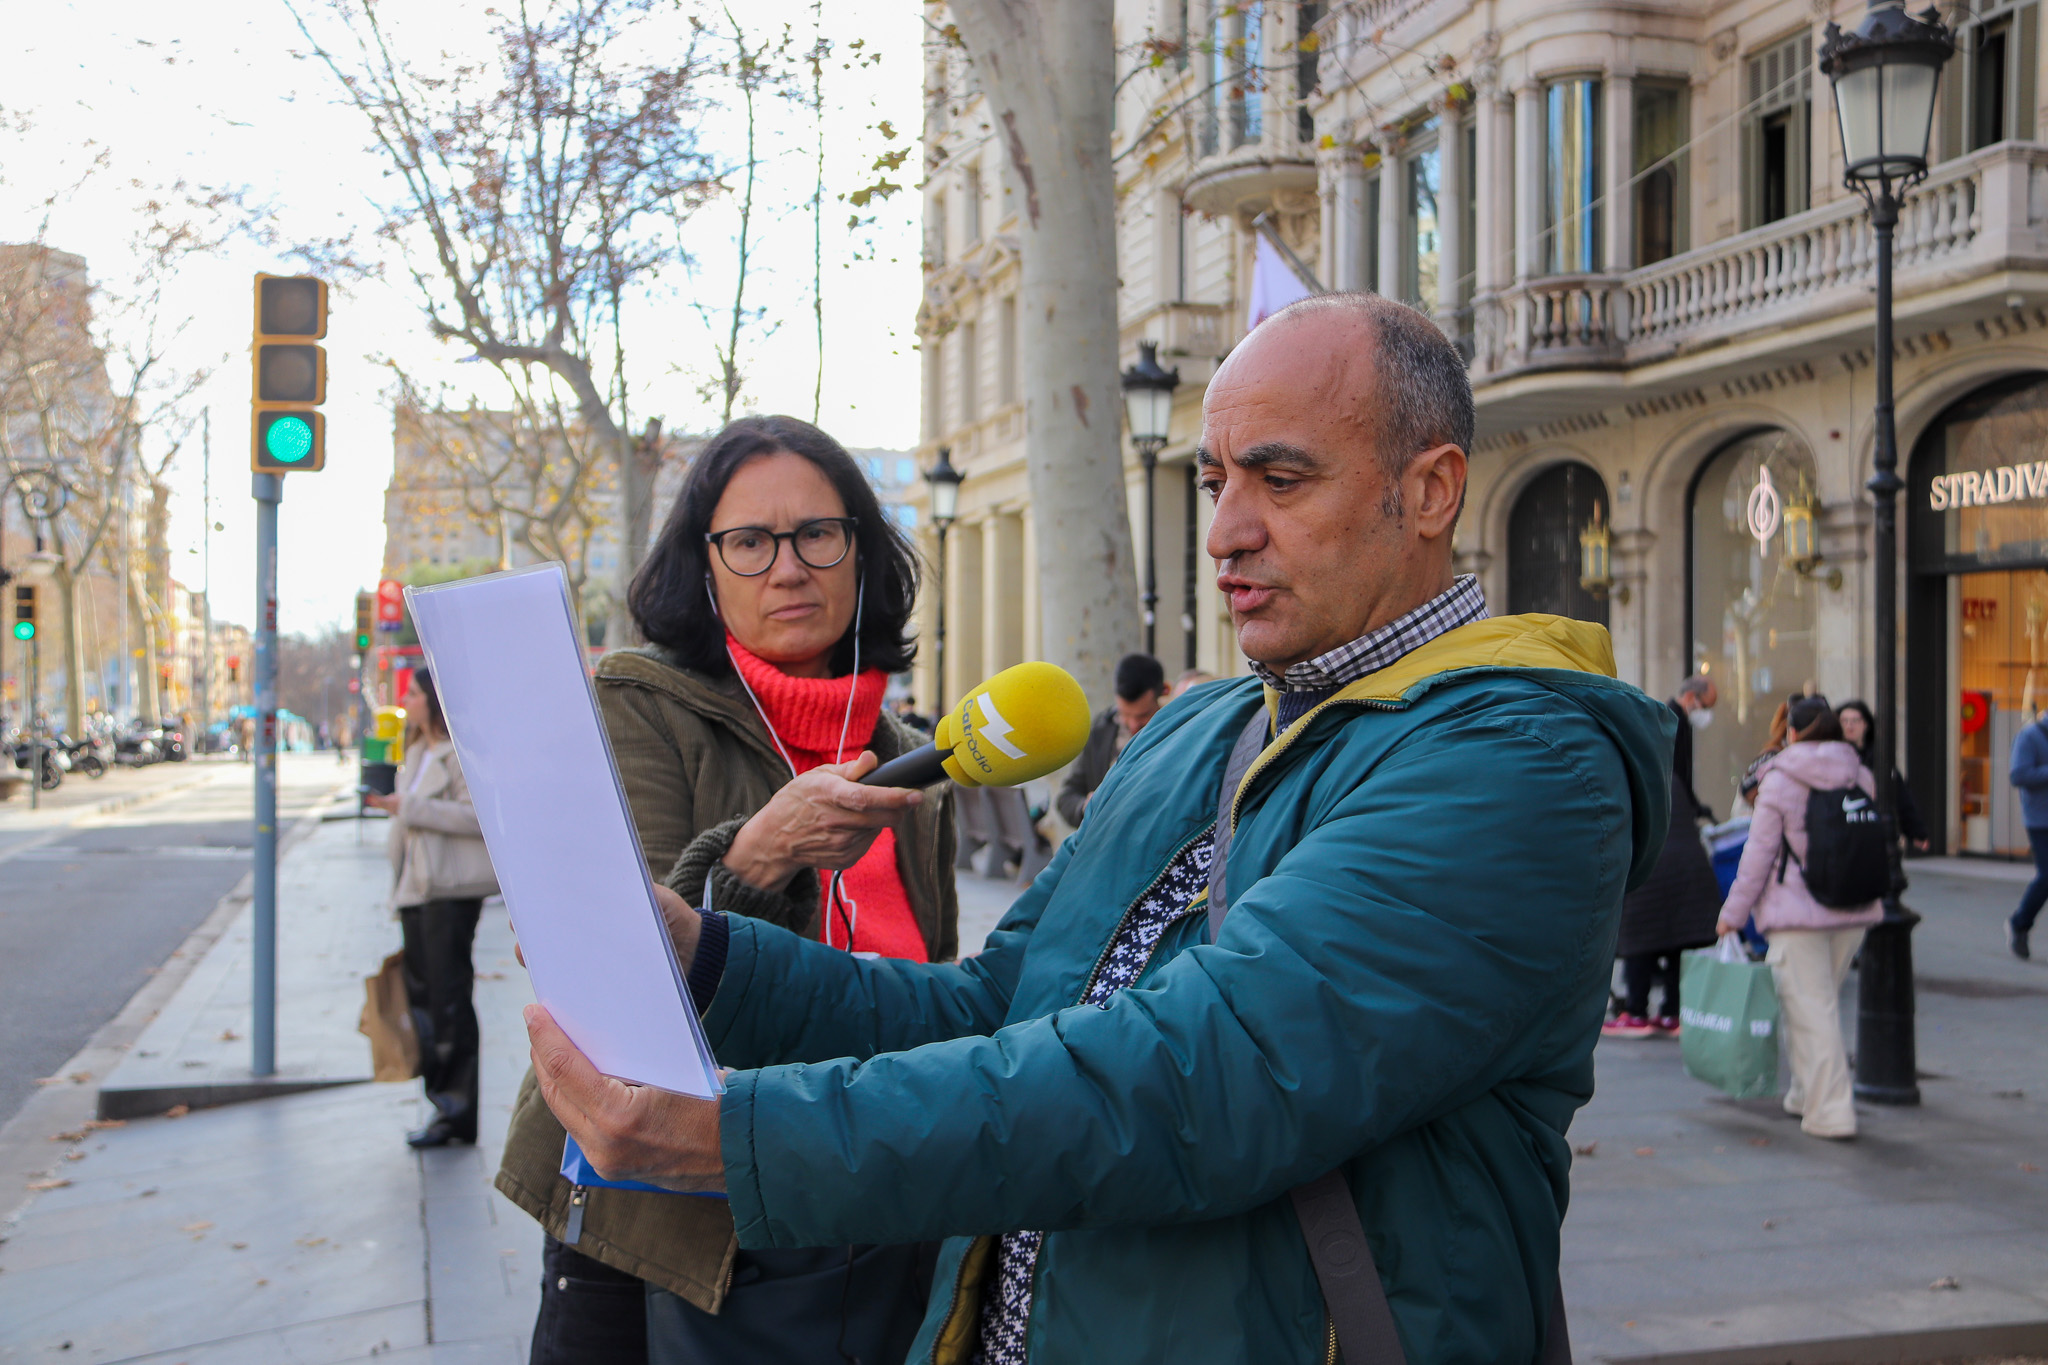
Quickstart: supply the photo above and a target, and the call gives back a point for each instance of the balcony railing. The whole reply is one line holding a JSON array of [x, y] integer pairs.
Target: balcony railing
[[1971, 216]]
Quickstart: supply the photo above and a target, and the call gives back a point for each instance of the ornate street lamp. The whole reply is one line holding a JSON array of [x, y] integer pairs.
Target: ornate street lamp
[[1884, 72], [945, 485], [1148, 406]]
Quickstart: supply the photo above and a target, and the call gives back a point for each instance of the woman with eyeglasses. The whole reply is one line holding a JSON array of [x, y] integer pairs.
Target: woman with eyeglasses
[[776, 603]]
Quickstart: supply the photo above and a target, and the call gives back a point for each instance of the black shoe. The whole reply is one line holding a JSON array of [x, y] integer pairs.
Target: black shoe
[[440, 1133], [2016, 938]]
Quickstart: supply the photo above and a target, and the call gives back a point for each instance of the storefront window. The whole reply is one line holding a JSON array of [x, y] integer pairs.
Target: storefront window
[[1977, 646], [1753, 611]]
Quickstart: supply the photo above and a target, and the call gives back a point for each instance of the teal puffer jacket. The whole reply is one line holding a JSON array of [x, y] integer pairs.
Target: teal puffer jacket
[[1424, 886]]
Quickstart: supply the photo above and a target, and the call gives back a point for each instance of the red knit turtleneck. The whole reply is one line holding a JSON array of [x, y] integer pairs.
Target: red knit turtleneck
[[807, 715]]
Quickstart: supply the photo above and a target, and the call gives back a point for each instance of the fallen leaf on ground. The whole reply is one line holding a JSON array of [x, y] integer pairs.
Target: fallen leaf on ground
[[48, 1184], [1759, 1142], [1945, 1282], [200, 1226], [1646, 1151], [239, 1246], [74, 1156], [2030, 1168], [93, 1125], [147, 1193], [1588, 1149], [177, 1111], [1629, 1323], [261, 1283], [76, 1136], [311, 1241], [228, 1035], [1770, 1223], [80, 1077]]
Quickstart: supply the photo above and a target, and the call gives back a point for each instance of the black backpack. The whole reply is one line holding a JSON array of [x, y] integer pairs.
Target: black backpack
[[1846, 867]]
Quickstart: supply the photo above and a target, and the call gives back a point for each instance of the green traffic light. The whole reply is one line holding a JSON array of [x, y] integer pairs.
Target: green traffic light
[[362, 642], [289, 439], [24, 630]]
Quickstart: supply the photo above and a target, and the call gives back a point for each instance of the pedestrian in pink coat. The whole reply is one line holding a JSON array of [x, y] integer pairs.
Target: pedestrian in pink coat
[[1811, 944]]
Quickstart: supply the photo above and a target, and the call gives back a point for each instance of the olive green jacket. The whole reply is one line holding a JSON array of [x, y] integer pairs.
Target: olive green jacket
[[696, 762]]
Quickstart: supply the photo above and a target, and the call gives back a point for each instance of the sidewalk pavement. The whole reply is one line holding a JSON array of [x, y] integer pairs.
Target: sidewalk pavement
[[1704, 1224], [296, 1229], [302, 1229]]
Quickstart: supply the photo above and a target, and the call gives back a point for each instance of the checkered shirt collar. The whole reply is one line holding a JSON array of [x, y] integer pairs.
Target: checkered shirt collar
[[1462, 604]]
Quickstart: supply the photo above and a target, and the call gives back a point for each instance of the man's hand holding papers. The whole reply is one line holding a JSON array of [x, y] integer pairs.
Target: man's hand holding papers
[[629, 1132]]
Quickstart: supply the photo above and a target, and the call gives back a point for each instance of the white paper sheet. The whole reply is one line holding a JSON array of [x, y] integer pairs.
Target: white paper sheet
[[517, 696]]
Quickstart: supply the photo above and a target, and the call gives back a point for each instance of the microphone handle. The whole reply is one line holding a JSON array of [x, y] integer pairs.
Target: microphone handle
[[919, 768]]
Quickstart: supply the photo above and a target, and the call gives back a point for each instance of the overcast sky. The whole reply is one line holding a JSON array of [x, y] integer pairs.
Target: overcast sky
[[219, 95]]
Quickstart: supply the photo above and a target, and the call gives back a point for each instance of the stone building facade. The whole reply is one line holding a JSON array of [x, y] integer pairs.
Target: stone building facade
[[1632, 220]]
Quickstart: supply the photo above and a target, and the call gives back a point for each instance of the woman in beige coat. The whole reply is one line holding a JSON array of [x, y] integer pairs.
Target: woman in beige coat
[[440, 875]]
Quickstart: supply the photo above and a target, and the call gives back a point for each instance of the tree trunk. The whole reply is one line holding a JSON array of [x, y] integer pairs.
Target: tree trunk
[[151, 703], [74, 652], [1047, 68]]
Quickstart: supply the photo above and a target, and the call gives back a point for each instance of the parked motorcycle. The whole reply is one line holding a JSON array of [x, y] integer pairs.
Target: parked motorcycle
[[88, 755], [49, 771]]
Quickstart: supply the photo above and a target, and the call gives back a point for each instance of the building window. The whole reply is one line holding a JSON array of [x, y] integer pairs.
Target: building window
[[970, 365], [1235, 115], [935, 232], [1778, 113], [934, 387], [1372, 230], [1753, 613], [970, 194], [1306, 51], [1987, 92], [1661, 202], [1421, 232], [1571, 177], [1006, 351]]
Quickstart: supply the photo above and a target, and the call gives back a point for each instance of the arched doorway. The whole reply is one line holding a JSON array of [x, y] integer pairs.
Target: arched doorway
[[1976, 597], [1754, 607], [1543, 542]]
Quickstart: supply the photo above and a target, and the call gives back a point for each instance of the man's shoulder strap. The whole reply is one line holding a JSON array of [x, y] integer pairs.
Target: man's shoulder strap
[[1251, 742]]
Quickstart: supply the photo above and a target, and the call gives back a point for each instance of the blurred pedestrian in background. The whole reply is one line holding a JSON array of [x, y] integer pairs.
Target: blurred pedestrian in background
[[1675, 909], [441, 873], [2030, 774], [776, 602], [1811, 944], [1141, 690], [1859, 728]]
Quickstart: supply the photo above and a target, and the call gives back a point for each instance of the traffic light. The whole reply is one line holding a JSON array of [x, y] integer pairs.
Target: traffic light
[[289, 379], [366, 608], [24, 611]]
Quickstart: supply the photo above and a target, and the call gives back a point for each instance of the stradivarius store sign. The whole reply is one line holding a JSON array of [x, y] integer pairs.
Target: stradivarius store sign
[[1989, 487]]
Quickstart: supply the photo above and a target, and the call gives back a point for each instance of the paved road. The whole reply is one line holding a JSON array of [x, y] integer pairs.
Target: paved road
[[91, 904]]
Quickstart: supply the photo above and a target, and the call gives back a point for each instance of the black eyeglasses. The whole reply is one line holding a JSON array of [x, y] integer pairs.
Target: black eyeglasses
[[750, 551]]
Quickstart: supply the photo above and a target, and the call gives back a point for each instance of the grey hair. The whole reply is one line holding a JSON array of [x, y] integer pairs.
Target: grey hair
[[1698, 685], [1425, 396]]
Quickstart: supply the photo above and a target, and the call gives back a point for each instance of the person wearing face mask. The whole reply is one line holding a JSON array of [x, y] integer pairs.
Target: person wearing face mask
[[1674, 910]]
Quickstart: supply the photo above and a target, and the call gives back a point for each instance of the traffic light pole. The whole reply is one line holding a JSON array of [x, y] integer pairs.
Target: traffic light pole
[[269, 491]]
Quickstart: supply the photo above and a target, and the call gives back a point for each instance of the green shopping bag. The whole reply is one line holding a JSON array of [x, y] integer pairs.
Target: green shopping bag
[[1729, 1010]]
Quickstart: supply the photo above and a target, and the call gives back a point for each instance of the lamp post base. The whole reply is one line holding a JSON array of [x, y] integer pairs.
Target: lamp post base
[[1887, 1067]]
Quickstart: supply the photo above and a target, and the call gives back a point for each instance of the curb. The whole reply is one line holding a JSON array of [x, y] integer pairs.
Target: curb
[[1927, 1347], [25, 1150]]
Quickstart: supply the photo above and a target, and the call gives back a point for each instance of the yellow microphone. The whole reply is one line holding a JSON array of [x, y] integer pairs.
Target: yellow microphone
[[1023, 723]]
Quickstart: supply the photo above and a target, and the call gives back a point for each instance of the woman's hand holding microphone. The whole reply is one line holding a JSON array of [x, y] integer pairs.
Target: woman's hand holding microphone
[[824, 819]]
